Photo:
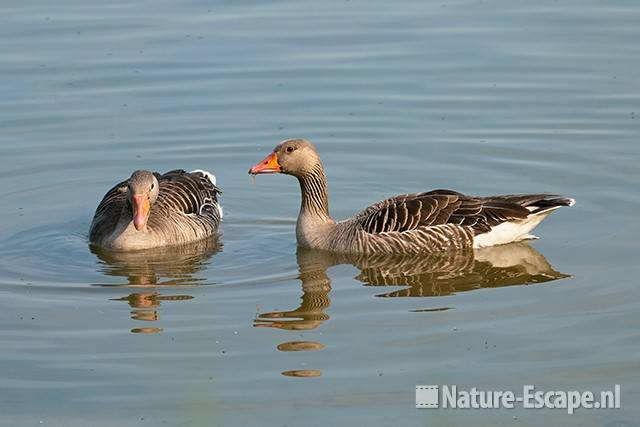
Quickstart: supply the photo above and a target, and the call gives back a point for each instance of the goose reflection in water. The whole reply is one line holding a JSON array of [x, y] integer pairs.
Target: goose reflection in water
[[152, 269], [421, 276], [316, 286]]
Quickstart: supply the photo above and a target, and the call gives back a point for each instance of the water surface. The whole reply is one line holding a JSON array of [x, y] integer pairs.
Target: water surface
[[484, 97]]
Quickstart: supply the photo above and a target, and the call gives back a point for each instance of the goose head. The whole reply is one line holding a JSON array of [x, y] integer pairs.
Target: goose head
[[142, 192], [297, 157]]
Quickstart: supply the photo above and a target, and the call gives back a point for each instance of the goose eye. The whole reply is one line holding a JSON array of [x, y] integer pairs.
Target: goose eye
[[290, 149], [153, 185]]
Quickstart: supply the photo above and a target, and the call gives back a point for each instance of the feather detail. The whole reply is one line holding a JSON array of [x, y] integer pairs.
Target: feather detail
[[406, 224], [186, 209]]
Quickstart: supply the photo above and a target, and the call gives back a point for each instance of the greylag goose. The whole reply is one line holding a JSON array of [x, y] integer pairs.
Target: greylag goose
[[407, 224], [150, 210]]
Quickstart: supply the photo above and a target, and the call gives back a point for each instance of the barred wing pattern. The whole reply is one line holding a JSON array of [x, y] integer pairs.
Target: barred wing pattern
[[192, 196], [441, 207], [108, 211]]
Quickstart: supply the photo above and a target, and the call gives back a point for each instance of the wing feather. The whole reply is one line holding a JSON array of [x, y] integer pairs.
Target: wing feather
[[191, 193], [188, 200], [412, 211]]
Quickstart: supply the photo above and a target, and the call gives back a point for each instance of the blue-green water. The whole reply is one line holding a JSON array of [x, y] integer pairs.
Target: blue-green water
[[483, 97]]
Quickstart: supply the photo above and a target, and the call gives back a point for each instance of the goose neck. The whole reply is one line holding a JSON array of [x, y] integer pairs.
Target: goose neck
[[315, 195]]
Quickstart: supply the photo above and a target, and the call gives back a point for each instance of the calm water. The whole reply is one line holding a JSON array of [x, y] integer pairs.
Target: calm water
[[480, 96]]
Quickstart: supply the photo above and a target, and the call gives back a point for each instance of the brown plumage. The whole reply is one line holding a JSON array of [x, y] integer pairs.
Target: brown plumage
[[410, 223], [151, 210]]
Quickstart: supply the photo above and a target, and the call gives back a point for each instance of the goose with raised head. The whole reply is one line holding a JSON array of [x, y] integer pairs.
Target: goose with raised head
[[150, 210], [406, 224]]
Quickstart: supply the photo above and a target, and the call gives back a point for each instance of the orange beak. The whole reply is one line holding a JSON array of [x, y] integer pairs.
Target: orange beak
[[141, 209], [268, 165]]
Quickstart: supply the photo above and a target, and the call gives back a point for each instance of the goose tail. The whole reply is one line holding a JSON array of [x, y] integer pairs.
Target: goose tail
[[520, 229]]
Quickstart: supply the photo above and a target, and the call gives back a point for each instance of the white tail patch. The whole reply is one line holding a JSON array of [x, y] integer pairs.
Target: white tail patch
[[544, 211], [209, 175], [511, 231]]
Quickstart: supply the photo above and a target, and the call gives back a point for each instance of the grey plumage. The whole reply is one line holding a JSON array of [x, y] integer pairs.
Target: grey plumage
[[186, 209], [407, 224]]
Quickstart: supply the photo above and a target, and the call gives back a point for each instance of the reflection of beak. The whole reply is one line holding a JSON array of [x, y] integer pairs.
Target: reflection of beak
[[268, 165], [141, 208]]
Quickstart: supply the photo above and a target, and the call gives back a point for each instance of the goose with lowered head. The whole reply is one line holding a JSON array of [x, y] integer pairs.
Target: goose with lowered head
[[150, 210]]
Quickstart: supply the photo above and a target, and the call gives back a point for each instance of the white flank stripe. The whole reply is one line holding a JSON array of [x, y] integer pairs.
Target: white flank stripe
[[507, 232], [209, 175]]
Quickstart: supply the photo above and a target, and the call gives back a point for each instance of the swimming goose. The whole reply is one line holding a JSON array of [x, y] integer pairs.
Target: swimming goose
[[150, 210], [406, 224]]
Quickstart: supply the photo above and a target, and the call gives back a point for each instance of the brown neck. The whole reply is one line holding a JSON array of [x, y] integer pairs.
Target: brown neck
[[315, 195]]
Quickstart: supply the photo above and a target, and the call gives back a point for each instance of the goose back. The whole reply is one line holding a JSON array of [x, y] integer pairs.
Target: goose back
[[434, 221]]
